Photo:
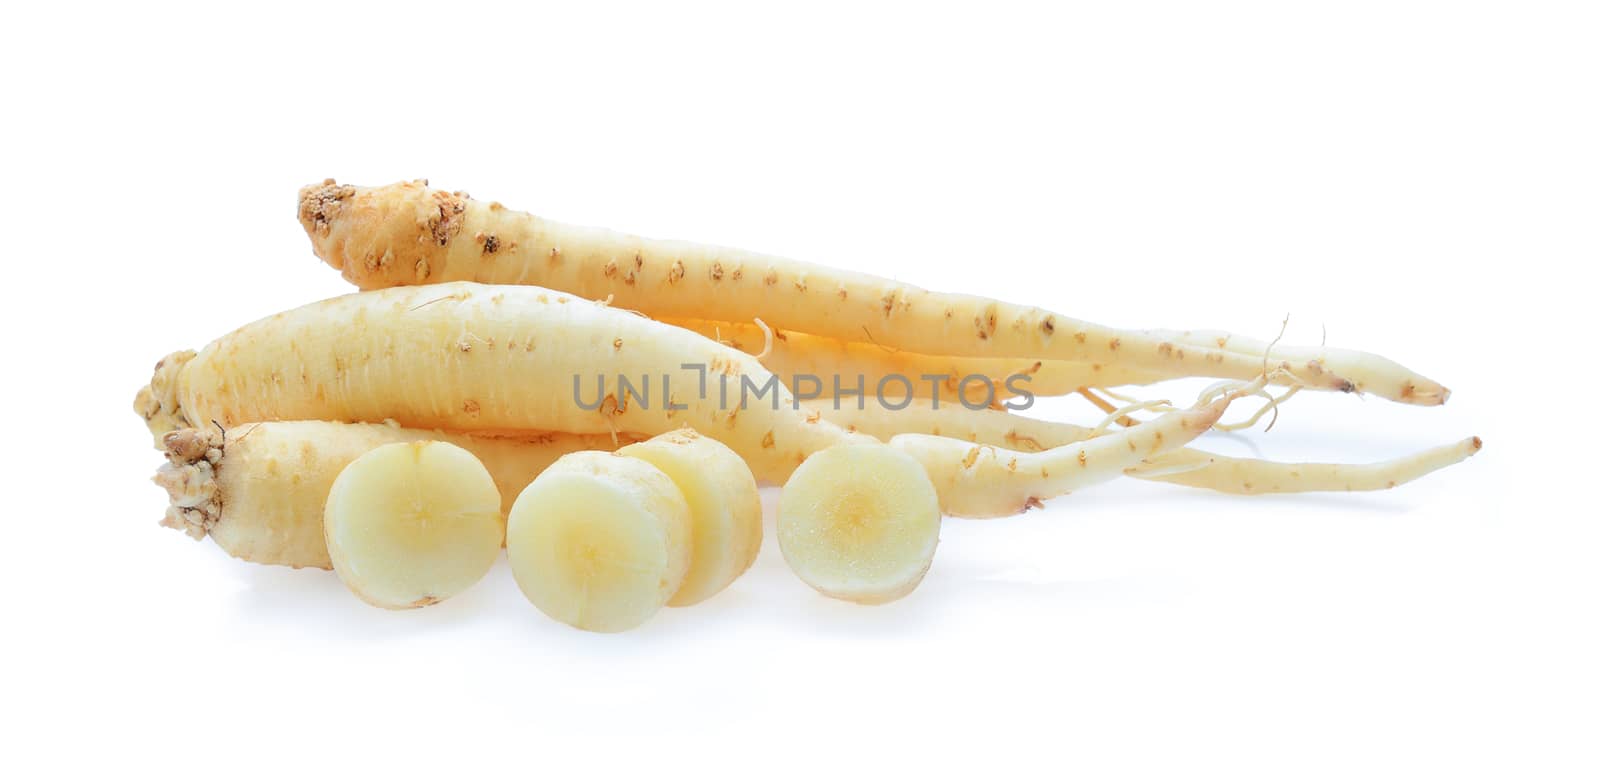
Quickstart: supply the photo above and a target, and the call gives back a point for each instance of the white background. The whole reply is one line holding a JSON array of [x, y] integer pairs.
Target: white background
[[1422, 179]]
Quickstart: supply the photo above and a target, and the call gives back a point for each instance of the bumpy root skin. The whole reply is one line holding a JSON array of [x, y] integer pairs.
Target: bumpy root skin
[[1369, 373], [474, 358], [408, 234]]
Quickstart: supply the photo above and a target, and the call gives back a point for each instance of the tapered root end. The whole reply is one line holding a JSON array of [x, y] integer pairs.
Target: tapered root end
[[1420, 391], [190, 480], [382, 237], [157, 402]]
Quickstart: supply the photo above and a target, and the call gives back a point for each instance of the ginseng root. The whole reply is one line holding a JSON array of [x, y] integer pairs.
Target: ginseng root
[[467, 357], [409, 234], [1186, 467]]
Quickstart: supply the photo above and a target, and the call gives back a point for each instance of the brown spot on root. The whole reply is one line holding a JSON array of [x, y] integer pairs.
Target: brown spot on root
[[445, 226], [1031, 503], [422, 269], [464, 345], [470, 406], [771, 278], [843, 294], [555, 255], [1083, 458], [425, 601], [767, 441], [610, 269], [1012, 465], [888, 300], [800, 284], [676, 272], [1165, 348], [616, 343], [1048, 326], [1477, 443], [1025, 442], [320, 204], [972, 457], [1080, 337], [716, 271], [987, 322]]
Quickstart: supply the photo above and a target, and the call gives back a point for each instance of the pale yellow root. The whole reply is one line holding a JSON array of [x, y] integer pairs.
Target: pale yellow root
[[987, 380], [412, 524], [469, 357], [724, 508], [600, 541], [859, 523], [1369, 372], [259, 489], [409, 234], [972, 480], [1252, 477], [1185, 467]]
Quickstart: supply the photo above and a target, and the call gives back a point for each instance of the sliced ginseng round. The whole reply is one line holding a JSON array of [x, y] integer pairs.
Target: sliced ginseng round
[[411, 524], [859, 522], [599, 541], [724, 508]]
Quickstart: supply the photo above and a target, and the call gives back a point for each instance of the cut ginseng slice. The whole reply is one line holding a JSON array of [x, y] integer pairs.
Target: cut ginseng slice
[[724, 508], [599, 541], [411, 524], [859, 522]]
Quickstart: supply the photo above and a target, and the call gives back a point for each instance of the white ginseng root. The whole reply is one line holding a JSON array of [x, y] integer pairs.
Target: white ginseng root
[[475, 358], [1185, 467], [258, 490], [600, 541], [859, 523], [724, 508], [412, 524], [409, 234]]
